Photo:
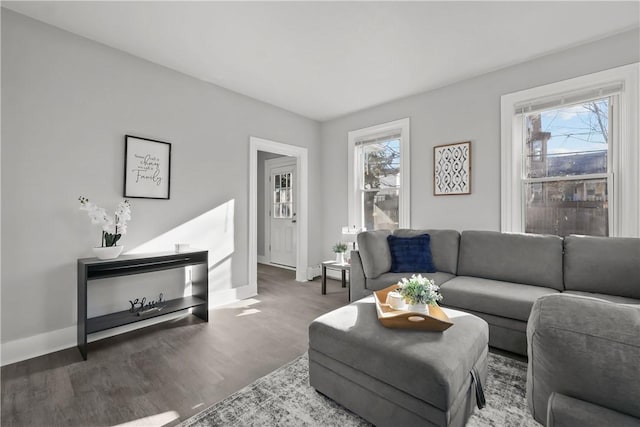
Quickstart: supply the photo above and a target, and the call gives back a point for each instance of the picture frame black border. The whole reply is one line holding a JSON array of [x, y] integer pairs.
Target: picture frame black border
[[126, 149]]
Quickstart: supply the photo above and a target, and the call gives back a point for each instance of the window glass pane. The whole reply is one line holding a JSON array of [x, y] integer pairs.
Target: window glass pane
[[570, 140], [380, 209], [567, 207], [381, 165]]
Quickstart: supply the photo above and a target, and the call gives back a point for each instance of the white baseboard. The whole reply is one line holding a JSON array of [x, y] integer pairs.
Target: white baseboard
[[262, 259], [61, 339]]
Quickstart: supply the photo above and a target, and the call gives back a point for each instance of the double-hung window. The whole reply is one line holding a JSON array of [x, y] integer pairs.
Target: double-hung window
[[379, 176], [571, 158]]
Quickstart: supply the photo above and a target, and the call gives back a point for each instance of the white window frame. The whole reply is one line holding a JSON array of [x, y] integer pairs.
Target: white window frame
[[402, 127], [624, 150]]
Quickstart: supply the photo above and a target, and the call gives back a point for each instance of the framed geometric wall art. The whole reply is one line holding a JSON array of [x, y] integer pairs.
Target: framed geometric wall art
[[147, 168], [452, 169]]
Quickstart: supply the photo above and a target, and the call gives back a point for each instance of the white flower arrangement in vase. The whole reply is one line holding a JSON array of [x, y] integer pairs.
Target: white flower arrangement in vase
[[419, 292], [113, 227]]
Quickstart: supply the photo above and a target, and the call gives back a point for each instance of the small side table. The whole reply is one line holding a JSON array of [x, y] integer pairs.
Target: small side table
[[332, 265]]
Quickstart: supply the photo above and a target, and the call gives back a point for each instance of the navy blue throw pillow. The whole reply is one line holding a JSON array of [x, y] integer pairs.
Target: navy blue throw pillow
[[411, 254]]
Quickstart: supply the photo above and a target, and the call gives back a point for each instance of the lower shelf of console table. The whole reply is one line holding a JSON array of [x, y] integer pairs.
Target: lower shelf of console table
[[91, 268]]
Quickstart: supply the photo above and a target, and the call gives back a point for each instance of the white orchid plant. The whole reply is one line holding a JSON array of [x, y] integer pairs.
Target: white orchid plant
[[113, 227]]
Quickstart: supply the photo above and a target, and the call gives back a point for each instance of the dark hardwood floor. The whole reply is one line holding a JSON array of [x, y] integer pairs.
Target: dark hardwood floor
[[168, 372]]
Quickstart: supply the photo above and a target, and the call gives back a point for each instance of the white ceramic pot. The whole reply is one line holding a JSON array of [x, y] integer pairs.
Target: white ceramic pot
[[418, 308], [108, 252], [340, 257]]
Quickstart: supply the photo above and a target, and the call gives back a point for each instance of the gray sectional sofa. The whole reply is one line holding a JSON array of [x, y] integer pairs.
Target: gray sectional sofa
[[571, 304], [499, 276]]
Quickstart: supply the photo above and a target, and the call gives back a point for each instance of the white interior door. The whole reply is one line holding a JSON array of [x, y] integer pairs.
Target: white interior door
[[282, 213]]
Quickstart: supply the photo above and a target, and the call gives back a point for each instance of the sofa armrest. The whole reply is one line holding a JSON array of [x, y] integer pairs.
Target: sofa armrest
[[357, 281], [565, 411], [585, 348]]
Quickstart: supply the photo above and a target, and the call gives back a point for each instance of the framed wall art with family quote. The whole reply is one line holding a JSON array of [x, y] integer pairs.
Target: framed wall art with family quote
[[147, 168], [452, 169]]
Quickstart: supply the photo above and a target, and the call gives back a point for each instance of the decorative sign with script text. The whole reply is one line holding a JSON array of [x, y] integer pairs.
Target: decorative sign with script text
[[147, 168]]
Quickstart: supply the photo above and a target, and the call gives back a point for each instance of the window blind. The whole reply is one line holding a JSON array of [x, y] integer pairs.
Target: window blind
[[574, 97], [373, 139]]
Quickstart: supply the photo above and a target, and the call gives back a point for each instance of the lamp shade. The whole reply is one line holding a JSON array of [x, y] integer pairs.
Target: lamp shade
[[350, 234]]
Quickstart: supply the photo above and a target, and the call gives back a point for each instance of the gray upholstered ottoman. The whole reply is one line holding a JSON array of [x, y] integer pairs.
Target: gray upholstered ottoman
[[398, 377]]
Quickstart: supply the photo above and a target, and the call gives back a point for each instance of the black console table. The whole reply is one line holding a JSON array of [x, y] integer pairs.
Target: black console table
[[93, 268]]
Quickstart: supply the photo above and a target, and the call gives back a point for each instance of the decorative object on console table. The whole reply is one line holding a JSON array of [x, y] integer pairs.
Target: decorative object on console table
[[339, 249], [182, 247], [147, 168], [142, 306], [90, 269], [452, 169], [112, 227]]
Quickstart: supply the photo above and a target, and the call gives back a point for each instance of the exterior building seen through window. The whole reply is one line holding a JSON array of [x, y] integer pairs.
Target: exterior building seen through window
[[567, 169], [379, 187]]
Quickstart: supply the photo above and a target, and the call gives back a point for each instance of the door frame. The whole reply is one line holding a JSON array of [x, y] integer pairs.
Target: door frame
[[302, 165], [268, 165]]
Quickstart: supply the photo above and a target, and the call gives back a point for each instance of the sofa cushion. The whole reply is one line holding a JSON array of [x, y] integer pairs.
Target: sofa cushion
[[410, 254], [511, 300], [374, 252], [609, 265], [530, 259], [610, 298], [387, 279], [444, 247]]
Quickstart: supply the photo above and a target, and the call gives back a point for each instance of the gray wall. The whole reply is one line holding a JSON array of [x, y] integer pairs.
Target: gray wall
[[465, 111], [67, 103]]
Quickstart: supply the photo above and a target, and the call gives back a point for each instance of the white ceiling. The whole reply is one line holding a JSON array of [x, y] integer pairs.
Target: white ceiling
[[326, 59]]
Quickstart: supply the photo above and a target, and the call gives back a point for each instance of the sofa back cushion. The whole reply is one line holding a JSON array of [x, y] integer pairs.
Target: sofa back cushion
[[530, 259], [444, 247], [411, 254], [374, 252], [607, 265]]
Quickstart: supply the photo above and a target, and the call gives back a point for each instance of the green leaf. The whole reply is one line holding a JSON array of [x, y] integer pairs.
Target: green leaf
[[111, 239]]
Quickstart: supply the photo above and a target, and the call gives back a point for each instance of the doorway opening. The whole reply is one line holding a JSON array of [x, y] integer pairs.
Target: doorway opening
[[296, 174]]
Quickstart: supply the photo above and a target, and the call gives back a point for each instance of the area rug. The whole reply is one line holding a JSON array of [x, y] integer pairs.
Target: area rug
[[284, 398]]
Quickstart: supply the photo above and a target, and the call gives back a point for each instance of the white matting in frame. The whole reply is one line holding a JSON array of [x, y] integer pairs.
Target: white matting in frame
[[147, 168], [452, 169]]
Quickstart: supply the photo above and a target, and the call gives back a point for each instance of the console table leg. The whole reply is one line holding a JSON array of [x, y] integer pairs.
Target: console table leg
[[344, 278], [83, 350]]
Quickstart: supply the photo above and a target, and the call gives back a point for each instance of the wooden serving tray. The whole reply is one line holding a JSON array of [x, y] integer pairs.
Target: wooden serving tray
[[436, 320]]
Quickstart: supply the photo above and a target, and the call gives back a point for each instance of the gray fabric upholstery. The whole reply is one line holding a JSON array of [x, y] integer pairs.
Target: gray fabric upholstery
[[529, 259], [510, 300], [444, 247], [599, 264], [374, 252], [387, 279], [505, 334], [382, 404], [353, 336], [356, 278], [585, 348], [565, 411], [610, 298]]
